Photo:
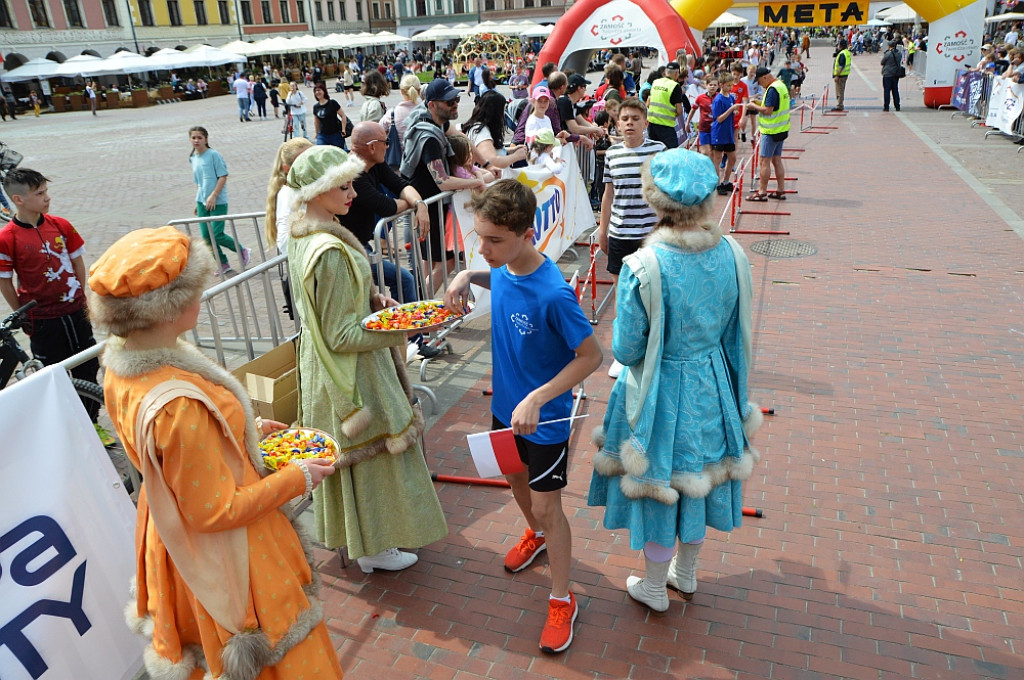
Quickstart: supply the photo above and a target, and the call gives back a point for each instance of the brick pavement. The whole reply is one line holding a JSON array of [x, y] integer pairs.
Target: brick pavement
[[891, 473]]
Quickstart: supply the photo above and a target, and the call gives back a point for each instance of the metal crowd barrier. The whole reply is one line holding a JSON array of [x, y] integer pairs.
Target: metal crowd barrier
[[394, 242], [248, 301]]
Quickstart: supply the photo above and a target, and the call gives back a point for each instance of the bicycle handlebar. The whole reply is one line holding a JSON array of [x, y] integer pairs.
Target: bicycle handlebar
[[15, 317]]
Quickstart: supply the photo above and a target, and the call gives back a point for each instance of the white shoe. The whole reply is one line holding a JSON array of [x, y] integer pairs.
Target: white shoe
[[391, 559], [682, 570], [650, 590], [411, 350], [616, 369]]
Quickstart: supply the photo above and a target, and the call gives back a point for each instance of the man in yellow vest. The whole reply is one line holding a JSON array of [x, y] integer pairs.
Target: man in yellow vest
[[840, 72], [773, 124], [664, 106]]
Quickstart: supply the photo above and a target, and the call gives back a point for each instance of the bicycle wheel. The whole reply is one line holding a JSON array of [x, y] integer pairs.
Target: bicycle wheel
[[288, 131], [92, 393]]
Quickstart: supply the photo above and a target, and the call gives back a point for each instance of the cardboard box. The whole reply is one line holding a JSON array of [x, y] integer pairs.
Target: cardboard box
[[272, 383]]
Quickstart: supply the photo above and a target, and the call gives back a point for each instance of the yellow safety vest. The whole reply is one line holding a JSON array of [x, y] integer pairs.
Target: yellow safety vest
[[778, 121], [845, 70], [660, 109]]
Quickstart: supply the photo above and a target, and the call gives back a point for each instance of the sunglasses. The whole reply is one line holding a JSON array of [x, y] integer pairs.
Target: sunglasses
[[385, 142], [454, 101]]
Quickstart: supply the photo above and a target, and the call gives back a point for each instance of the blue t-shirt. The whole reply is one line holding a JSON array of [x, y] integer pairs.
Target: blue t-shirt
[[724, 132], [207, 168], [536, 325]]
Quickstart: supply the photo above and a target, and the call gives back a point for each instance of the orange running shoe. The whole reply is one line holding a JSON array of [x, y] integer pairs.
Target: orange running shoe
[[557, 634], [525, 551]]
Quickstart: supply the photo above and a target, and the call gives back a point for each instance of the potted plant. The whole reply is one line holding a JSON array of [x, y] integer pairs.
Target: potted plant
[[77, 100], [59, 102], [165, 92], [216, 88], [113, 99], [140, 97]]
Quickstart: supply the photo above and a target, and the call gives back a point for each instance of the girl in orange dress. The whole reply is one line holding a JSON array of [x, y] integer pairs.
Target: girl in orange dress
[[224, 585]]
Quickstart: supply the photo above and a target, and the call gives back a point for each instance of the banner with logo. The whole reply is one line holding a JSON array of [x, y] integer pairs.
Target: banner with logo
[[563, 213], [67, 541], [954, 42], [815, 13], [1005, 104]]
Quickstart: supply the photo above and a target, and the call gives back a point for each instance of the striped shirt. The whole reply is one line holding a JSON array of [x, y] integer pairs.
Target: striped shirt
[[631, 217]]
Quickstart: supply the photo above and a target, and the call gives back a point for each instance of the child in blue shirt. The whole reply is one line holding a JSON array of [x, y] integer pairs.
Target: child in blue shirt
[[542, 346], [723, 132]]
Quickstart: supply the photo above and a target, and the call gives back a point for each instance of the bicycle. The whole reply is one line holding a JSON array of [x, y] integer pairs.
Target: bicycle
[[9, 160], [289, 123], [16, 363]]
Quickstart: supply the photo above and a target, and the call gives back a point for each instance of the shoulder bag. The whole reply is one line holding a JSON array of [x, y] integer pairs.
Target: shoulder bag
[[393, 157]]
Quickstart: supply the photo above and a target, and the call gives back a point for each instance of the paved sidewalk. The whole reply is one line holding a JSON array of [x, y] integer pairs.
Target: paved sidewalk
[[892, 472]]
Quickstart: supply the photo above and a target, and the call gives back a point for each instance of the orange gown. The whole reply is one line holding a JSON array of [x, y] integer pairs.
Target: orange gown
[[285, 637]]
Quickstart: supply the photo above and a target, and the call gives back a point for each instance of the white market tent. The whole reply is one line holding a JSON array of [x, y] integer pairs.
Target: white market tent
[[125, 63], [729, 20], [1009, 16], [435, 32], [900, 14], [204, 55], [875, 23], [81, 65], [538, 32], [31, 70], [239, 47]]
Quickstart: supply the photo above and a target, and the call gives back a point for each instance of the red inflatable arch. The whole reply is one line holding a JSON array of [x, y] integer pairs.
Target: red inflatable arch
[[599, 24]]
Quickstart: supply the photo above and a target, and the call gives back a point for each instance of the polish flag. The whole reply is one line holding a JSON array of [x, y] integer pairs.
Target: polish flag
[[495, 453]]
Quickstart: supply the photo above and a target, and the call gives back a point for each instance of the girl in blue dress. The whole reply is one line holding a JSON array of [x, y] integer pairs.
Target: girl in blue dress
[[674, 448]]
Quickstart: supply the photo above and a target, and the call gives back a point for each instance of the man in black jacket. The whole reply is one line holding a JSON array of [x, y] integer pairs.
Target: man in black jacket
[[891, 64]]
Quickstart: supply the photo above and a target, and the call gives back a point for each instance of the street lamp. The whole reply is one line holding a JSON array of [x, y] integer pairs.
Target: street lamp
[[131, 22], [238, 17]]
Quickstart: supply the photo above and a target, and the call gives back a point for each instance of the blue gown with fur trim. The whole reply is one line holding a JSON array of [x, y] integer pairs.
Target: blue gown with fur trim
[[681, 467]]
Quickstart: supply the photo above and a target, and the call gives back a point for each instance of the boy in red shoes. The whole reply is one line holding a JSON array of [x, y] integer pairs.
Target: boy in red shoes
[[542, 346]]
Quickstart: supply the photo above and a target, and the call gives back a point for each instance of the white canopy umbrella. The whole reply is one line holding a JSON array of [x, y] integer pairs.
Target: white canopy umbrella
[[271, 46], [538, 32], [126, 62], [435, 32], [335, 41], [167, 59], [31, 70], [81, 65], [1009, 16], [877, 23], [239, 47], [204, 55], [901, 13], [729, 20]]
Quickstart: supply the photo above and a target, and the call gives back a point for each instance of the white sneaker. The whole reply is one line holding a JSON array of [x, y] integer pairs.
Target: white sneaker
[[411, 350], [615, 369], [391, 559], [246, 257]]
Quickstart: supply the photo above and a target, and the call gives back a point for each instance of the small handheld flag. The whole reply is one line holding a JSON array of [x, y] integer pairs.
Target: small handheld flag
[[495, 452]]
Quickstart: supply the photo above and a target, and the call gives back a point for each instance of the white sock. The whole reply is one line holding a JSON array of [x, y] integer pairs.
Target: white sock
[[565, 599], [538, 534]]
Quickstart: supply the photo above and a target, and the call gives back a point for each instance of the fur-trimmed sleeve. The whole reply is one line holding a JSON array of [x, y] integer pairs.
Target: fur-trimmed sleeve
[[191, 449]]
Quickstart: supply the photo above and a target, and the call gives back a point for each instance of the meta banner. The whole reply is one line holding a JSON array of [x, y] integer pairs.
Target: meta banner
[[825, 13], [66, 541]]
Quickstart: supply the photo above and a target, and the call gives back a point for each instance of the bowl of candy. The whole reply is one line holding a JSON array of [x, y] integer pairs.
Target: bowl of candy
[[414, 317], [297, 443]]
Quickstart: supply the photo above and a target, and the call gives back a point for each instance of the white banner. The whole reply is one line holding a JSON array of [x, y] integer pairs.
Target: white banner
[[1005, 104], [67, 537], [563, 213], [954, 42]]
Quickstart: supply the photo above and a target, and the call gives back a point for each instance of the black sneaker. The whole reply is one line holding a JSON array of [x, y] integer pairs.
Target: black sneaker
[[428, 352]]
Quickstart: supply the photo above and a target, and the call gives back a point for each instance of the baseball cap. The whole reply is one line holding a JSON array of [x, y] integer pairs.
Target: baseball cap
[[576, 80], [538, 92], [761, 72], [672, 66], [440, 90]]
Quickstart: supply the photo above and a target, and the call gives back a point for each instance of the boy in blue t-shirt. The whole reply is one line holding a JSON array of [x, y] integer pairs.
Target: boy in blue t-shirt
[[542, 346], [723, 132]]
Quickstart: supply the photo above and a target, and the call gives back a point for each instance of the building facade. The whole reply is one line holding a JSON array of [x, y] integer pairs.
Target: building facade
[[416, 16], [59, 29], [541, 11]]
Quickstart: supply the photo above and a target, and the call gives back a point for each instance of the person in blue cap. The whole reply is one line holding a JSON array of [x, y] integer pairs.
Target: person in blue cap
[[674, 448]]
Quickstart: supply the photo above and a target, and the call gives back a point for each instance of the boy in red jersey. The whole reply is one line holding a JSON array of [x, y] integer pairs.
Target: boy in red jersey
[[46, 254], [703, 104]]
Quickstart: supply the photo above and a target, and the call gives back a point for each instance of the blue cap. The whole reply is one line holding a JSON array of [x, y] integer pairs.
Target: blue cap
[[440, 90], [684, 176]]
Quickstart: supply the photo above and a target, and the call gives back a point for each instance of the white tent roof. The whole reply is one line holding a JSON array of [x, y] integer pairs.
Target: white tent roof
[[1009, 16], [126, 62], [239, 47], [729, 20], [31, 70], [204, 55], [901, 13], [538, 32], [80, 65], [878, 22]]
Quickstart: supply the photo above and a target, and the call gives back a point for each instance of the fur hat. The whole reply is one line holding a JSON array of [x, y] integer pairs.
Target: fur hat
[[320, 169], [679, 184], [147, 276]]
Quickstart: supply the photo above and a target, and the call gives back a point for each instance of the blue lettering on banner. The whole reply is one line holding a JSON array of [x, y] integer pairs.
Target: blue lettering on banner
[[53, 538]]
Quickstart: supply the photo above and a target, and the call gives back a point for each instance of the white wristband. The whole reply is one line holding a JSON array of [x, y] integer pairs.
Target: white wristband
[[301, 464]]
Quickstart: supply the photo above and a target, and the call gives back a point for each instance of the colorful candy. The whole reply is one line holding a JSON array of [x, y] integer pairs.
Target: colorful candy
[[283, 446], [410, 316]]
